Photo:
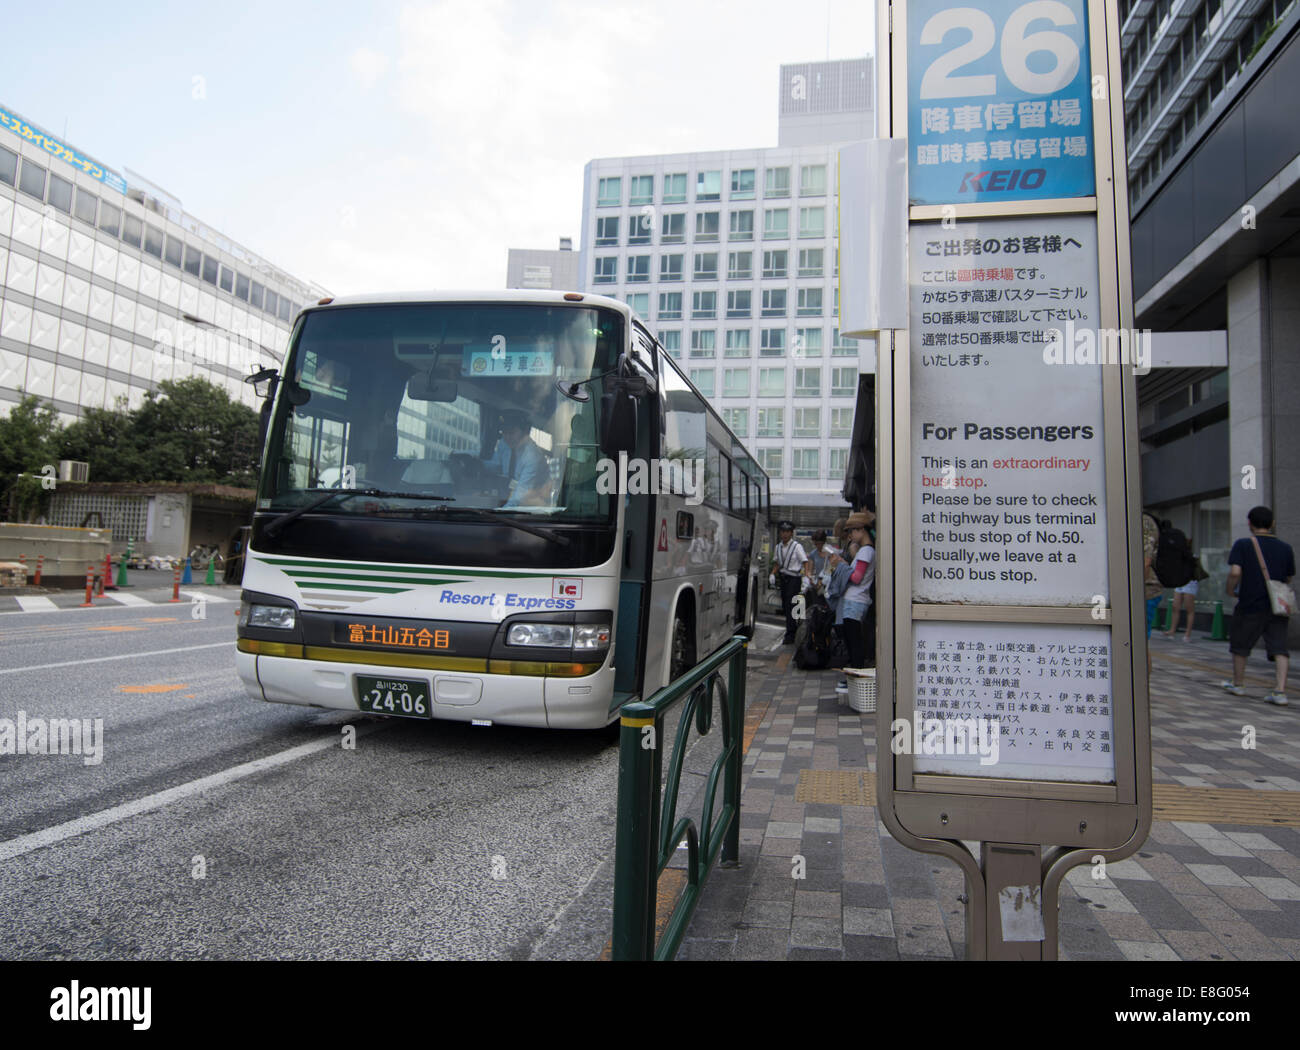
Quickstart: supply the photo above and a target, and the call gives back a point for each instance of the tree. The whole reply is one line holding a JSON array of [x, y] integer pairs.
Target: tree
[[28, 444], [106, 440], [193, 431], [187, 430]]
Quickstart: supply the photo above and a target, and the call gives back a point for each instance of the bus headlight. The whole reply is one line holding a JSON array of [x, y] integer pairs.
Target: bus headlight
[[549, 635], [591, 636], [281, 616]]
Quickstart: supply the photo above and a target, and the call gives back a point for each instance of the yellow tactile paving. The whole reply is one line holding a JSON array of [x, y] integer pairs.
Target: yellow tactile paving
[[836, 787], [857, 787], [1215, 805]]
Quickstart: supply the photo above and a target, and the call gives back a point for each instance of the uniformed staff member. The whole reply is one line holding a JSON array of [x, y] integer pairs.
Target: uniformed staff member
[[790, 566]]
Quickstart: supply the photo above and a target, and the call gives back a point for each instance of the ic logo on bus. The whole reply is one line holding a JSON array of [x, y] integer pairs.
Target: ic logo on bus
[[566, 587]]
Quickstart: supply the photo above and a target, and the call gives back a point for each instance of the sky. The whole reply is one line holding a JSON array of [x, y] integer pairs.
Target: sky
[[383, 146]]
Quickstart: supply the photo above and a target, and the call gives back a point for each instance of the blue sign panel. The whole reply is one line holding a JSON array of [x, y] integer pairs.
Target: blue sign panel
[[56, 148], [999, 102]]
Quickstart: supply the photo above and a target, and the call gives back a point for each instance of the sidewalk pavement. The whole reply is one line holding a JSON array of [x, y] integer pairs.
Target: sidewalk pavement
[[1218, 877]]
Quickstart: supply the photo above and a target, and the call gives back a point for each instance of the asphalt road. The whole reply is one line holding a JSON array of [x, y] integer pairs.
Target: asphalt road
[[217, 826], [428, 840]]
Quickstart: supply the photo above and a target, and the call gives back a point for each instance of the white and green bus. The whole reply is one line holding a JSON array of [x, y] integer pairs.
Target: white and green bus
[[507, 507]]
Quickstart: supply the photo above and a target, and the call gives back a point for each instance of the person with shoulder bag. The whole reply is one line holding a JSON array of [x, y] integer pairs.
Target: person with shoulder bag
[[1260, 571]]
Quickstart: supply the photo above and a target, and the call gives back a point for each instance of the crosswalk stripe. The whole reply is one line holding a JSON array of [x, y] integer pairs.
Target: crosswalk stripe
[[34, 603], [214, 598], [127, 599]]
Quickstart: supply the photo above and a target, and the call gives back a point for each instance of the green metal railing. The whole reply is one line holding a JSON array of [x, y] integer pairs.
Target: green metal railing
[[649, 830]]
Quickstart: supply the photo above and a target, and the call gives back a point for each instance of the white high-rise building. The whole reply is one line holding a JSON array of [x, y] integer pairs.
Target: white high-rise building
[[730, 258], [107, 287]]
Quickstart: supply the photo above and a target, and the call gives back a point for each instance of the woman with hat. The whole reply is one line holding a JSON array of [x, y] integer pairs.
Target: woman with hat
[[857, 596]]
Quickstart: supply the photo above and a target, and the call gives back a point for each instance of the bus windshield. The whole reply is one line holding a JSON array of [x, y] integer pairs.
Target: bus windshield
[[440, 407]]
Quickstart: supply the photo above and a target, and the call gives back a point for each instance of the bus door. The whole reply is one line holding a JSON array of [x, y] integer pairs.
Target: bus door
[[638, 542]]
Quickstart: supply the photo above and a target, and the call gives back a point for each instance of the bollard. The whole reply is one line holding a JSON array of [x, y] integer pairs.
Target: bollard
[[188, 578], [211, 581], [1217, 633], [176, 583], [121, 569], [40, 564], [90, 583]]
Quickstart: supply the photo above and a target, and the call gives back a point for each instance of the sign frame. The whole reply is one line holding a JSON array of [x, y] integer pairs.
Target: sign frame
[[936, 813]]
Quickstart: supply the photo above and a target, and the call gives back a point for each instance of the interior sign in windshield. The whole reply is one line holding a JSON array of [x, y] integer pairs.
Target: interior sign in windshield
[[501, 362]]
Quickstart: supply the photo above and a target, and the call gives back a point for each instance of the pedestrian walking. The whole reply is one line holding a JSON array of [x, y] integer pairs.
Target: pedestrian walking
[[1184, 599], [1255, 562], [1152, 589]]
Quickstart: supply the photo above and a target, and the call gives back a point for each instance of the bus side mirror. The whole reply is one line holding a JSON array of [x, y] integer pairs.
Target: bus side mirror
[[618, 423], [263, 423]]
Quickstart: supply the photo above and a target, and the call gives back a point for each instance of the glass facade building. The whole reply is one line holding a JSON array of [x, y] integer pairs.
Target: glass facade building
[[1214, 190], [108, 287]]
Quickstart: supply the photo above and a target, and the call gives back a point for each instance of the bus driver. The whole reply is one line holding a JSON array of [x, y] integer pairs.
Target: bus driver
[[518, 459]]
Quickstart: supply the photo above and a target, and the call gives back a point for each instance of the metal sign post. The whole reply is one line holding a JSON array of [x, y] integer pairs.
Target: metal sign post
[[1016, 714]]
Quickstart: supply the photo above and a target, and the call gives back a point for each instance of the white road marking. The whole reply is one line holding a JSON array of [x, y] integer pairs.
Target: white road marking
[[122, 656], [127, 599], [35, 603], [214, 598], [49, 836]]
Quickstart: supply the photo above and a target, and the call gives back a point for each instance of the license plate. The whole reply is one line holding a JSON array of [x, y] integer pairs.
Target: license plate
[[402, 697]]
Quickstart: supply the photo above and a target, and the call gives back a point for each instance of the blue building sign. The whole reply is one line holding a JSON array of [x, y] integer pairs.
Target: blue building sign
[[56, 148], [999, 101]]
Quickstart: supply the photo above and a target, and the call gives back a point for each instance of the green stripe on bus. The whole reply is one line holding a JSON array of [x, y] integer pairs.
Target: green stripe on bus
[[384, 567], [361, 578], [303, 584]]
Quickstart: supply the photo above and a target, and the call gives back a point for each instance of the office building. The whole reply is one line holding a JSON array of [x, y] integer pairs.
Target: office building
[[729, 256], [108, 287], [543, 268], [1210, 89]]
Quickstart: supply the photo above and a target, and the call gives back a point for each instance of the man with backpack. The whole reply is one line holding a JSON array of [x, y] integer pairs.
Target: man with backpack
[[1256, 562], [1174, 563]]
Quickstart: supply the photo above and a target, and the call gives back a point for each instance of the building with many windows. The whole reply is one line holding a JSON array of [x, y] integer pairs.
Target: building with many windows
[[1210, 89], [555, 269], [107, 287], [730, 258]]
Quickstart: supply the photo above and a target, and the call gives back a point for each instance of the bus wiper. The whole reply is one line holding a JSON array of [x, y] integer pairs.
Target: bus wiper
[[500, 517], [279, 523]]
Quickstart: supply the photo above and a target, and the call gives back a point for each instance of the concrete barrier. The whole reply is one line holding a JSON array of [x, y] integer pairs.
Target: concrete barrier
[[67, 551]]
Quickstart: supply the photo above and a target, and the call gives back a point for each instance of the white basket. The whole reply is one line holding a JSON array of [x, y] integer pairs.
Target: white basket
[[862, 689]]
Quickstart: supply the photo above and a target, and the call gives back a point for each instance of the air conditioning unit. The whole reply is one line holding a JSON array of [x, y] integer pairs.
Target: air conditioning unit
[[73, 470]]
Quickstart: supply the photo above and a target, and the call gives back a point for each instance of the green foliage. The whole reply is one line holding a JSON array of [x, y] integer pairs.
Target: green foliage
[[28, 443], [186, 431], [190, 430], [106, 440]]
